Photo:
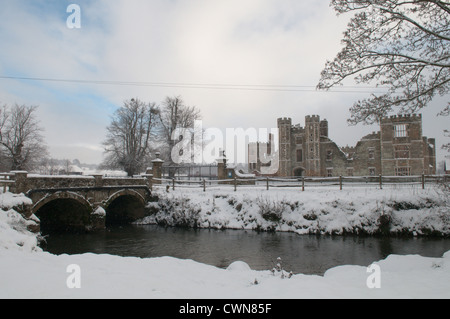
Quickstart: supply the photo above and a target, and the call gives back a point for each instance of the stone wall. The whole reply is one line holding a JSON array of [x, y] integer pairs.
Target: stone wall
[[366, 158], [405, 150]]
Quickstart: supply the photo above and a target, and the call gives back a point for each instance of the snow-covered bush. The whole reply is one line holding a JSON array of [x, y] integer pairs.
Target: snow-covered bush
[[271, 210], [14, 228], [176, 211], [319, 211], [279, 271]]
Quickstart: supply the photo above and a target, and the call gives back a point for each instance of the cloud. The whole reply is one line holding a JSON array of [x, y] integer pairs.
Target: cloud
[[252, 42]]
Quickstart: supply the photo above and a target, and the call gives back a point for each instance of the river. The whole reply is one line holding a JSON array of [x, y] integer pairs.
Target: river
[[307, 254]]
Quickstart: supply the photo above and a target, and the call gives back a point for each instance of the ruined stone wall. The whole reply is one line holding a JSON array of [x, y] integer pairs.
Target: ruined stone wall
[[366, 158], [429, 145], [333, 160], [402, 149], [398, 148]]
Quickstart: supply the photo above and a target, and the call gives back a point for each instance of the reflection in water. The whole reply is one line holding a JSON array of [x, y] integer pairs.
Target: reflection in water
[[308, 254]]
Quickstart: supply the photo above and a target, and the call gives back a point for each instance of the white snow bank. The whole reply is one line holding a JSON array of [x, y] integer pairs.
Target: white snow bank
[[100, 211], [13, 232], [13, 226], [42, 275], [320, 210], [28, 272], [9, 200]]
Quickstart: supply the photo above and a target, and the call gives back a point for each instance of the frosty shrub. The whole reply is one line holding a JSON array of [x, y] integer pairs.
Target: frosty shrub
[[279, 271], [384, 224], [271, 210], [179, 212]]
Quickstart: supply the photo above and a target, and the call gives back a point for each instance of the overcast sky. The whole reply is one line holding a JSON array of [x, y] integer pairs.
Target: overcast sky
[[242, 63]]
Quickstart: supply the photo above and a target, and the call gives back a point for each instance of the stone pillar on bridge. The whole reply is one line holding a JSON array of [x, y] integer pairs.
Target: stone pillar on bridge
[[97, 219], [149, 176], [20, 185], [157, 169], [98, 178]]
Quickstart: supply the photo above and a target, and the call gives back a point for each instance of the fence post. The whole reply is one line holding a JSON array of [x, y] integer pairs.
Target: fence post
[[4, 185], [173, 183], [303, 184], [20, 185], [235, 183], [381, 182], [204, 185], [340, 182], [423, 181], [267, 183]]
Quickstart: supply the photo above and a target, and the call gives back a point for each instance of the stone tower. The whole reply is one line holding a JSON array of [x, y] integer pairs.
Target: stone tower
[[284, 133], [324, 128], [312, 144]]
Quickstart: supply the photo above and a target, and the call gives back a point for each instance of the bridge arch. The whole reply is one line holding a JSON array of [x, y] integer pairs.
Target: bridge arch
[[63, 211], [124, 206]]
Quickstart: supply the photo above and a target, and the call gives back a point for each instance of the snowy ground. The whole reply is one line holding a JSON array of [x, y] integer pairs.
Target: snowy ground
[[28, 272]]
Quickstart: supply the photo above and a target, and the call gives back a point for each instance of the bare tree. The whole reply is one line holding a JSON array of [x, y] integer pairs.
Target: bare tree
[[21, 137], [174, 114], [127, 145], [404, 45]]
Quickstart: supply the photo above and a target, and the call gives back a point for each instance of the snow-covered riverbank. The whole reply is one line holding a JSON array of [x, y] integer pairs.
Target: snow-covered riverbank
[[28, 272], [370, 211]]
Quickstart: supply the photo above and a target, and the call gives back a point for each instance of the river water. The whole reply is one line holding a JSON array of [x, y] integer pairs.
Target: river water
[[307, 254]]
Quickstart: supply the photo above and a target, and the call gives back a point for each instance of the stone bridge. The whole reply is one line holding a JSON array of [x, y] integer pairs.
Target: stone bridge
[[83, 202]]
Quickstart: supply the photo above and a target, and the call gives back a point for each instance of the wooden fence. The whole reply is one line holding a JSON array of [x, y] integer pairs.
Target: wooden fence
[[303, 183]]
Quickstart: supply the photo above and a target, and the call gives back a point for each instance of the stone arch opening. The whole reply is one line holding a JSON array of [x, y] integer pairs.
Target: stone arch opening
[[299, 171], [63, 214], [124, 208]]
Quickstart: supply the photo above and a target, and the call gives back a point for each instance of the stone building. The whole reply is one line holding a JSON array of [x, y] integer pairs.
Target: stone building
[[447, 165], [397, 149], [258, 162]]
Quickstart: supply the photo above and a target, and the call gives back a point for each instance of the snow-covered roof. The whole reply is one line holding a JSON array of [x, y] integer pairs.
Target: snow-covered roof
[[240, 174], [75, 169]]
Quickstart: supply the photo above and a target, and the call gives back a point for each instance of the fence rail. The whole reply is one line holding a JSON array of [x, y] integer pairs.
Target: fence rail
[[302, 183], [7, 180]]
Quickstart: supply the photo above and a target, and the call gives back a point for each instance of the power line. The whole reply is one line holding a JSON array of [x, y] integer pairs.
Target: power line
[[247, 87]]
